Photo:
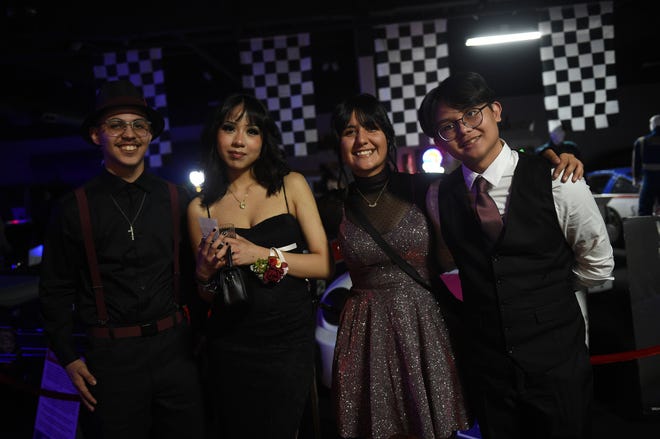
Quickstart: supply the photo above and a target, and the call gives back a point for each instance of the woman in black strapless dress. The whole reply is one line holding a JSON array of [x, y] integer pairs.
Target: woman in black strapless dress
[[260, 354]]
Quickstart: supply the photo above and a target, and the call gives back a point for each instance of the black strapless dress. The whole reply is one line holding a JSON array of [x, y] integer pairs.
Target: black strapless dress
[[261, 356]]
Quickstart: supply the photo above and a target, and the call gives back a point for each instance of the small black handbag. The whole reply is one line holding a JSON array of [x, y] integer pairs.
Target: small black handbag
[[231, 283]]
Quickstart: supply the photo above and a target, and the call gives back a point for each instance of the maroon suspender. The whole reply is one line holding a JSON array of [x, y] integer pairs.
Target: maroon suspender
[[97, 286], [174, 202]]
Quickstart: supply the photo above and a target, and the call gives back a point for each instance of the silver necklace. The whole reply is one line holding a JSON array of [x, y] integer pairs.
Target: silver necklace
[[375, 203], [131, 231]]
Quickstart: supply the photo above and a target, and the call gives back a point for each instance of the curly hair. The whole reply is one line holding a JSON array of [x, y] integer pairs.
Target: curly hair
[[271, 166]]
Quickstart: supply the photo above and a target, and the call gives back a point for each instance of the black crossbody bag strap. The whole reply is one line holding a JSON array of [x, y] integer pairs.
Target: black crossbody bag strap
[[394, 256]]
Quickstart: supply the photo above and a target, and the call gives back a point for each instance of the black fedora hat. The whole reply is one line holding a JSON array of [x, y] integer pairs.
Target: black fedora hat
[[121, 95]]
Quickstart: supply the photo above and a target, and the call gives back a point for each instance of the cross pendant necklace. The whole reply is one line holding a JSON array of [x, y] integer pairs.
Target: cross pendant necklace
[[130, 230]]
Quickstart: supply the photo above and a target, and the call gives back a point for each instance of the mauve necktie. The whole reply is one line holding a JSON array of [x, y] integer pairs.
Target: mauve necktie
[[489, 215]]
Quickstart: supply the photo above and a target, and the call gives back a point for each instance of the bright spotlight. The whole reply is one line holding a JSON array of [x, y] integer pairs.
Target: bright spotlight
[[197, 179], [432, 161], [501, 39]]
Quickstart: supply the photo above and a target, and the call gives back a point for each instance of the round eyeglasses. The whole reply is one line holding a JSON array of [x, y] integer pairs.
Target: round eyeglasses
[[471, 118], [117, 127]]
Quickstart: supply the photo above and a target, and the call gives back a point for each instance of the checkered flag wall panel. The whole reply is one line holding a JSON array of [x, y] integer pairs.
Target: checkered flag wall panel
[[279, 71], [144, 69], [410, 59], [577, 55]]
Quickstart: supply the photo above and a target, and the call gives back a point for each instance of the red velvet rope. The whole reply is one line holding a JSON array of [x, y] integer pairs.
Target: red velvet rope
[[625, 356]]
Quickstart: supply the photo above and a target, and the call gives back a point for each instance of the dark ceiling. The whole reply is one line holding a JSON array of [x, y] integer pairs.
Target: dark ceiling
[[50, 50]]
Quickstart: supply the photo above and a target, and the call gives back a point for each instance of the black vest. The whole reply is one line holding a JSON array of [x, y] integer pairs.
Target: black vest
[[518, 296]]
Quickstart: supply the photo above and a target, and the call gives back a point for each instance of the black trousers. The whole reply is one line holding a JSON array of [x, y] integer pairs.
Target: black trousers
[[512, 404], [147, 387]]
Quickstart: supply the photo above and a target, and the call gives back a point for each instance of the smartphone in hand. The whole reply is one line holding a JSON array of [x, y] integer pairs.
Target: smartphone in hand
[[207, 225]]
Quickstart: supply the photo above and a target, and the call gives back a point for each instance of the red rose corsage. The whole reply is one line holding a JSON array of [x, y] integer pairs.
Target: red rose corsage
[[273, 269]]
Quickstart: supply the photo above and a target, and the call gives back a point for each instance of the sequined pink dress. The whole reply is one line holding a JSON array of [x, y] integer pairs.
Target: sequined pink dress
[[394, 369]]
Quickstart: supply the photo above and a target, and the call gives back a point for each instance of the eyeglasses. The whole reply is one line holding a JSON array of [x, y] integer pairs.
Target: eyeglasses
[[472, 118], [117, 127]]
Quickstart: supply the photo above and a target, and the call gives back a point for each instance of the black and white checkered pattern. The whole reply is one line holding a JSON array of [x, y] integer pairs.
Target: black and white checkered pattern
[[144, 69], [410, 59], [577, 55], [279, 71]]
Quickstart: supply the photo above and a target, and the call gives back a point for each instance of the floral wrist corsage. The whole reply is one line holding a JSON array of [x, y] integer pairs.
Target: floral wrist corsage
[[272, 269]]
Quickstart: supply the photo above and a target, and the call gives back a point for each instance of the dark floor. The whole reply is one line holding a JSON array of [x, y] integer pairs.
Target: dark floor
[[609, 423], [623, 402], [17, 411]]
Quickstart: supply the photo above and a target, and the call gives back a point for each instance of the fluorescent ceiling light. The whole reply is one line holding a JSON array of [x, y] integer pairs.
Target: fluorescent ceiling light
[[500, 39]]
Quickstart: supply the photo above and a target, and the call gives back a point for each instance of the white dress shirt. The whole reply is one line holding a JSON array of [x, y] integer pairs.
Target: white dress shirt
[[577, 212]]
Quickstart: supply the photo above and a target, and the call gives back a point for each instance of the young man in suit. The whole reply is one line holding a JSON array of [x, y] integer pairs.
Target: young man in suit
[[526, 361]]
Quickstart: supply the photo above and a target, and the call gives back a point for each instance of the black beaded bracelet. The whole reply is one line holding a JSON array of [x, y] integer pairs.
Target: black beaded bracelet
[[210, 285]]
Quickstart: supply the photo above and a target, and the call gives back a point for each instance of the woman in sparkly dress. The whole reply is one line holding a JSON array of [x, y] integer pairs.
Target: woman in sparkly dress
[[394, 371]]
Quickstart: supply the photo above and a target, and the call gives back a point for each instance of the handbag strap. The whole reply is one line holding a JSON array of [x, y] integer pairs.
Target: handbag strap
[[394, 256]]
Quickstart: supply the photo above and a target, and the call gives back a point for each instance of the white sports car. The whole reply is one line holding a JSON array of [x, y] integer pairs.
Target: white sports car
[[617, 197]]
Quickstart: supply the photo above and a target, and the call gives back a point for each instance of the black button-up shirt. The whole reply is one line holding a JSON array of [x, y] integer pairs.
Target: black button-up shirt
[[137, 275]]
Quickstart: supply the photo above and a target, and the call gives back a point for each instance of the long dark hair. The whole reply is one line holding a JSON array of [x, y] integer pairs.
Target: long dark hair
[[271, 166], [371, 113]]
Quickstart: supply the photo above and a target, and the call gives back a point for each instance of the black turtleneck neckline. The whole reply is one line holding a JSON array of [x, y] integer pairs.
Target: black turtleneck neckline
[[372, 184]]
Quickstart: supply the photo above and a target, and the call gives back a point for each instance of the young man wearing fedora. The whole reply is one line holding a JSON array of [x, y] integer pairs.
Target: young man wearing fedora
[[112, 264]]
